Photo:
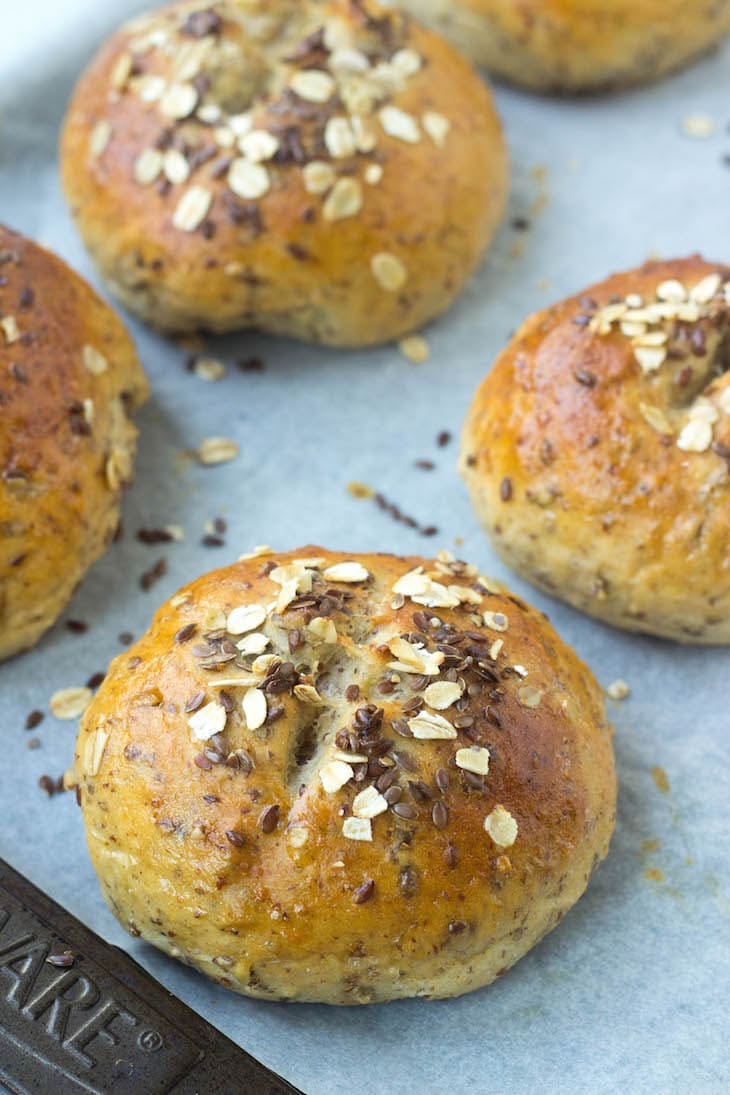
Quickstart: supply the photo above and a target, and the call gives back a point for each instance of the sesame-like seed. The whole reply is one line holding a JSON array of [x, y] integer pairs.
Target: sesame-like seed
[[698, 126], [179, 101], [388, 270], [70, 703], [618, 690], [224, 136], [94, 361], [118, 468], [240, 124], [248, 180], [496, 621], [314, 85], [99, 139], [672, 291], [347, 59], [175, 167], [339, 138], [436, 126], [656, 418], [344, 200], [121, 71], [704, 291], [346, 572], [10, 329], [318, 177], [415, 348], [696, 436], [298, 836], [407, 62], [147, 166], [209, 369], [365, 136], [396, 123], [528, 696], [373, 174], [93, 752], [192, 209], [650, 357], [216, 450], [150, 89], [258, 145]]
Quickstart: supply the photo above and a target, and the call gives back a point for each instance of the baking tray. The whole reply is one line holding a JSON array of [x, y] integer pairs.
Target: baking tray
[[630, 993]]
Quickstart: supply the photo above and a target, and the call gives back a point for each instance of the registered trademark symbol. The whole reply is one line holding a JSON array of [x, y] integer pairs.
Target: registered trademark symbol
[[150, 1041]]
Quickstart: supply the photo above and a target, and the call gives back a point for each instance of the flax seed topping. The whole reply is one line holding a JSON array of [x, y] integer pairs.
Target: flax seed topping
[[681, 320], [289, 734], [327, 113]]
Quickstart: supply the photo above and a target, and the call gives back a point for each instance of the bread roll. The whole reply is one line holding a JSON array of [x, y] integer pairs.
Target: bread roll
[[323, 170], [577, 45], [346, 778], [69, 380], [597, 451]]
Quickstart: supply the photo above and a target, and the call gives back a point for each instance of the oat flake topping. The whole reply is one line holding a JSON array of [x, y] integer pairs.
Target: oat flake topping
[[342, 100]]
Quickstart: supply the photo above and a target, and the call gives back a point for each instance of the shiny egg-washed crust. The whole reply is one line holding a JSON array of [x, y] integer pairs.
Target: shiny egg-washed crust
[[588, 472], [577, 45], [66, 442], [432, 906], [276, 262]]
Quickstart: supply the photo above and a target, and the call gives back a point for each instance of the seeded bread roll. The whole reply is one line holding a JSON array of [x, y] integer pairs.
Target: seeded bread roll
[[69, 378], [577, 45], [323, 170], [597, 451], [346, 779]]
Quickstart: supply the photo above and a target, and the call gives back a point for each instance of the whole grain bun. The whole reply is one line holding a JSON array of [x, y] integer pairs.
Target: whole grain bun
[[597, 451], [346, 779], [69, 378], [577, 45], [323, 170]]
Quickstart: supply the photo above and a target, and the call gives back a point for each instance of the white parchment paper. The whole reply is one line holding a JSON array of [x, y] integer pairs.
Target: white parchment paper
[[630, 993]]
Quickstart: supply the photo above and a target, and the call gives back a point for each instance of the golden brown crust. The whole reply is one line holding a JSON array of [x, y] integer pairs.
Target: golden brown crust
[[236, 859], [69, 375], [596, 451], [270, 255], [577, 45]]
